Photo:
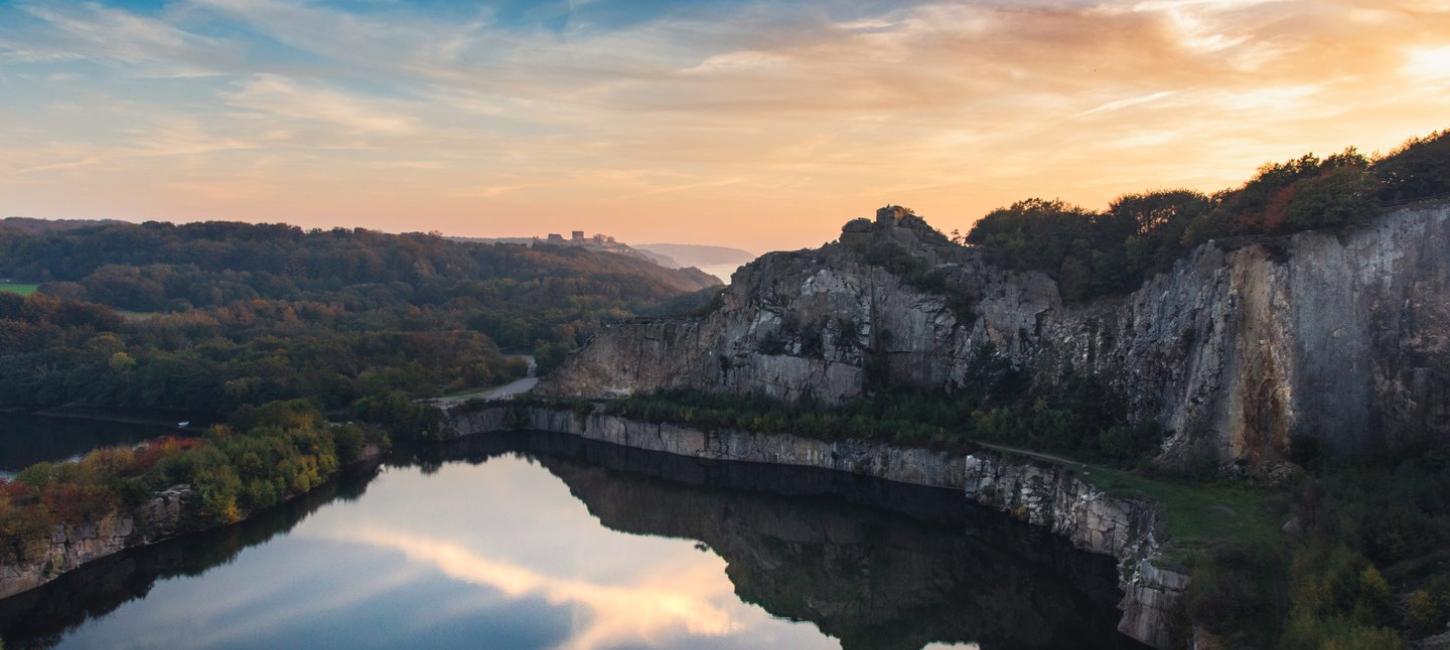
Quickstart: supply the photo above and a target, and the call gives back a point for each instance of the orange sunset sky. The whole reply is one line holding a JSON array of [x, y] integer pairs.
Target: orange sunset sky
[[751, 124]]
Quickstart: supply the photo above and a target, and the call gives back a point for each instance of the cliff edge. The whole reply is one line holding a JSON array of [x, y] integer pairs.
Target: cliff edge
[[1241, 347]]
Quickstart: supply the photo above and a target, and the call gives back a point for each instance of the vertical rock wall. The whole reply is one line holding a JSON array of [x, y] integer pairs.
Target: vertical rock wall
[[1238, 348], [70, 546]]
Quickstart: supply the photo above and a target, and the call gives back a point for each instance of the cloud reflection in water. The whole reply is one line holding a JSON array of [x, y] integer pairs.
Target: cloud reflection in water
[[692, 599]]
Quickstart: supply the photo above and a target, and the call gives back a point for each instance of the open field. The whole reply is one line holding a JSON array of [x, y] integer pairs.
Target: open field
[[22, 289]]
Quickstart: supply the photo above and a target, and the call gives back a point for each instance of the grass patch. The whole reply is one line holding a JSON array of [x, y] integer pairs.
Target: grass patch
[[22, 289], [1196, 516], [1193, 516]]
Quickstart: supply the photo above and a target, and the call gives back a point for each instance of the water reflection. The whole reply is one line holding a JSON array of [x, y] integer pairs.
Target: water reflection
[[507, 550]]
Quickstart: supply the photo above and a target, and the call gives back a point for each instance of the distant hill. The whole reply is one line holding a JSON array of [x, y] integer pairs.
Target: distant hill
[[31, 226], [599, 243], [164, 267], [699, 255], [715, 261]]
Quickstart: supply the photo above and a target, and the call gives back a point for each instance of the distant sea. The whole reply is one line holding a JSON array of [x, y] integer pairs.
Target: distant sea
[[721, 271]]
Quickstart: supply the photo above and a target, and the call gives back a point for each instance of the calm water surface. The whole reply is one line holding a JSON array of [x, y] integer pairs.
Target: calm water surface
[[29, 439], [545, 541]]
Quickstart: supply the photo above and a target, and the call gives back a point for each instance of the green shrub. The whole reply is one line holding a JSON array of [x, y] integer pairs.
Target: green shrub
[[1232, 594], [1422, 614]]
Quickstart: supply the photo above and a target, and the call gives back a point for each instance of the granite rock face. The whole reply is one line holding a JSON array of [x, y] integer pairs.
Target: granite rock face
[[1237, 349], [1038, 492], [71, 546]]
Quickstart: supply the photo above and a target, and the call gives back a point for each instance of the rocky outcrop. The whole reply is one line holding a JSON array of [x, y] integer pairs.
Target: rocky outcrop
[[72, 545], [1039, 492], [1237, 349]]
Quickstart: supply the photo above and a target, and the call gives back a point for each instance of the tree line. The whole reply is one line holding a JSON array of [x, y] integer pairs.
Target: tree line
[[1093, 253]]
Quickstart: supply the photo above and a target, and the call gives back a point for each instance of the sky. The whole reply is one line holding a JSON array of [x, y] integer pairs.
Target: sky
[[761, 125]]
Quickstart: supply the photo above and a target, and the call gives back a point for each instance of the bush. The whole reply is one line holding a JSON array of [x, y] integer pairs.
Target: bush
[[1118, 442], [1422, 614], [1232, 594], [350, 440]]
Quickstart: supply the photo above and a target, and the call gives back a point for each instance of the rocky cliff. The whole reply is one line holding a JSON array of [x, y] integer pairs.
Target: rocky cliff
[[1239, 348], [72, 545], [1038, 492]]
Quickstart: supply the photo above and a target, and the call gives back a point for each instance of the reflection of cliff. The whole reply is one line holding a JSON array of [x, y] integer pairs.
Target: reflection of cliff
[[862, 569], [38, 618]]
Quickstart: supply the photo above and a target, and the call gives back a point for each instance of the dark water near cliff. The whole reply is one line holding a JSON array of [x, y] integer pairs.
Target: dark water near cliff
[[546, 541], [29, 439]]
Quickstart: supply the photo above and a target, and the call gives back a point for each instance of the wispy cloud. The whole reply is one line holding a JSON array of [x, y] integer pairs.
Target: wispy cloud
[[87, 31], [1127, 102], [614, 117], [284, 98]]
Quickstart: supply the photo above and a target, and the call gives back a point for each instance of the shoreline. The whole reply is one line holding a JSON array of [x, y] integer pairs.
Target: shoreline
[[169, 514], [1033, 490]]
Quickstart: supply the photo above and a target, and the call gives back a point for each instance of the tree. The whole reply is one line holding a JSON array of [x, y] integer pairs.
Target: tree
[[121, 362], [1419, 169], [1340, 197]]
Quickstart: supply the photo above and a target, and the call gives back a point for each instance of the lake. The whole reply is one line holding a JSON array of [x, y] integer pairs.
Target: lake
[[29, 439], [547, 541]]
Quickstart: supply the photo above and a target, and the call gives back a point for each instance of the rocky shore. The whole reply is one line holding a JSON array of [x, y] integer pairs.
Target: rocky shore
[[163, 516], [169, 513], [1037, 491]]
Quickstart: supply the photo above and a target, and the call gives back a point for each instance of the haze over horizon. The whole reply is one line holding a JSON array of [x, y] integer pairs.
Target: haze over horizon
[[713, 122]]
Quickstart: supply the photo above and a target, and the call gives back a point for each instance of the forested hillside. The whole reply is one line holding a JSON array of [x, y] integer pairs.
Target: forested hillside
[[212, 316]]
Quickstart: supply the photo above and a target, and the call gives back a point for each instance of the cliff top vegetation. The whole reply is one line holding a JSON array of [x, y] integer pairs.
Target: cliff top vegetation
[[1095, 253]]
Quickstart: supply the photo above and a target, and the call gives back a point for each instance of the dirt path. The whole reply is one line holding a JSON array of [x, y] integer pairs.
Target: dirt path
[[507, 391], [1061, 460]]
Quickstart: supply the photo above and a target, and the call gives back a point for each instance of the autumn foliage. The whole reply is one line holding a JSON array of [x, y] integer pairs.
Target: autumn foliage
[[286, 449]]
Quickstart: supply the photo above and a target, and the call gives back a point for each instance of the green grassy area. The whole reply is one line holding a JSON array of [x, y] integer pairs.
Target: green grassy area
[[22, 289], [1195, 516]]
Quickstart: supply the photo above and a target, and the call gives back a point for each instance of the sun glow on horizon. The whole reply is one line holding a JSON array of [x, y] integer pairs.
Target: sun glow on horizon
[[755, 125]]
